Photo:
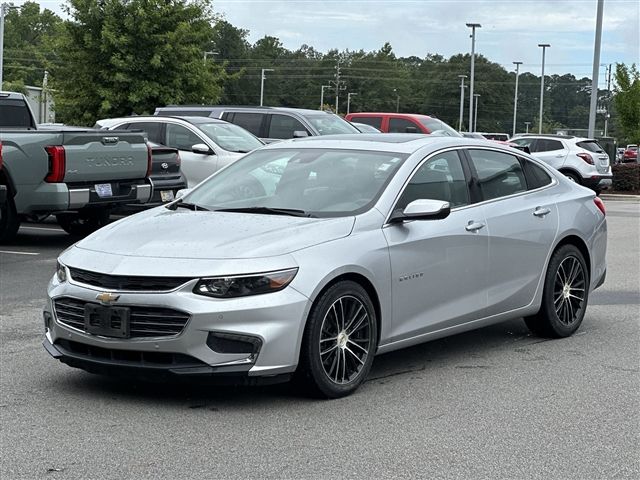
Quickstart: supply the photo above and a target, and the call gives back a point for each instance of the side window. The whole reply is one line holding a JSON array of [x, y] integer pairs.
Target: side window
[[283, 126], [523, 142], [400, 125], [249, 121], [547, 145], [373, 121], [536, 176], [153, 129], [499, 174], [181, 138], [440, 178]]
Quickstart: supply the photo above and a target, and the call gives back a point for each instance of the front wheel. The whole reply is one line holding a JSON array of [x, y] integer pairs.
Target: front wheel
[[83, 223], [339, 341], [9, 221], [565, 295]]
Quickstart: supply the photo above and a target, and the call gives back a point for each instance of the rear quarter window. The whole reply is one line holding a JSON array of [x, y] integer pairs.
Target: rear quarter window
[[535, 175]]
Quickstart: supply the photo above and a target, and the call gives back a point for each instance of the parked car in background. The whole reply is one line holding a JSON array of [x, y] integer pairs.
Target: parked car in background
[[630, 154], [480, 136], [472, 135], [78, 175], [619, 154], [270, 124], [403, 123], [369, 243], [503, 137], [581, 160], [365, 128], [205, 144]]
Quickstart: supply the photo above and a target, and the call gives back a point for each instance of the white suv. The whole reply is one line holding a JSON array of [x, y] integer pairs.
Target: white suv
[[582, 160]]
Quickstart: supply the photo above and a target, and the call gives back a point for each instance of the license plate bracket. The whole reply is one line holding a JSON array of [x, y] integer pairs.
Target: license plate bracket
[[104, 190], [166, 195], [107, 321]]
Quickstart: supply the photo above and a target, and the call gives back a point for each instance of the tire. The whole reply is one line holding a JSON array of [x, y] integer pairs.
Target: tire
[[9, 222], [573, 177], [83, 223], [342, 320], [565, 295]]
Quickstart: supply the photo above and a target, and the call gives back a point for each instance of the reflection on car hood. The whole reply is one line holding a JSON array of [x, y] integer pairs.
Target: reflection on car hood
[[183, 233]]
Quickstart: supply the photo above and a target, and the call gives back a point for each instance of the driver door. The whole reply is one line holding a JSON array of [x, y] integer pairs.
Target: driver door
[[439, 267], [195, 166]]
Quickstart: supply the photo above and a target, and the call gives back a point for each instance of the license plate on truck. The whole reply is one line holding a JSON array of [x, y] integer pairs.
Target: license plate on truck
[[166, 195], [104, 190]]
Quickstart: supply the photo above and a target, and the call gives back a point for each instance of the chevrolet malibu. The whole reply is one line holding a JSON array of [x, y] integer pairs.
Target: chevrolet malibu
[[307, 258]]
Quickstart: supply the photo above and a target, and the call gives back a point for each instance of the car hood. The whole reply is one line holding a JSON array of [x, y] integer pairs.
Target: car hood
[[186, 234]]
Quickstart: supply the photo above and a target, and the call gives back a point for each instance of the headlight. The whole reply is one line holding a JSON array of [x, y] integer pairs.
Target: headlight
[[61, 272], [245, 285]]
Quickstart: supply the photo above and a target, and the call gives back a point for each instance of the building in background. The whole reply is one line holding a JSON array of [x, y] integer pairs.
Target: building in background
[[41, 103]]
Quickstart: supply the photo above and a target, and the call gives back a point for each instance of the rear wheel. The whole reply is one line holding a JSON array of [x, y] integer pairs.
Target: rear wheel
[[565, 295], [339, 342], [573, 177], [9, 222], [84, 222]]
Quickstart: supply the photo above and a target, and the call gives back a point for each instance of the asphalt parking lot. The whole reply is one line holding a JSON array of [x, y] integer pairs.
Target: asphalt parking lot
[[494, 403]]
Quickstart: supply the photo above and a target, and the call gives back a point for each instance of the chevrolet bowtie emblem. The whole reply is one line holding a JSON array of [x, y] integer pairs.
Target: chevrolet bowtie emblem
[[107, 298]]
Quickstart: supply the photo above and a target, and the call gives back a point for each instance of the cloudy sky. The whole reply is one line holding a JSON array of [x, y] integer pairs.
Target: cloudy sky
[[511, 29]]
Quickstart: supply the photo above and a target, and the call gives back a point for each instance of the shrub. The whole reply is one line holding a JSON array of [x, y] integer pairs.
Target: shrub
[[626, 177]]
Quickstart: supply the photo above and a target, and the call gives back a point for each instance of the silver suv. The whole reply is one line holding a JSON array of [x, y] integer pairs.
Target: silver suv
[[581, 160]]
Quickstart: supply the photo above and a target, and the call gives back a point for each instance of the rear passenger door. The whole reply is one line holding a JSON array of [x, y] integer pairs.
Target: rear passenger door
[[550, 151], [522, 222], [195, 166]]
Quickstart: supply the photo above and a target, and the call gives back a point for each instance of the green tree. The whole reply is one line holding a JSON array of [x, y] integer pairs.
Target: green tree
[[118, 57], [627, 100]]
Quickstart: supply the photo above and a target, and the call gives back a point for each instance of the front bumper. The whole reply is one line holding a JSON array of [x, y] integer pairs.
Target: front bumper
[[277, 319]]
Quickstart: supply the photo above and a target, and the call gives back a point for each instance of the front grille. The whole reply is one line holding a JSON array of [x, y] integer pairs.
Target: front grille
[[127, 283], [143, 321]]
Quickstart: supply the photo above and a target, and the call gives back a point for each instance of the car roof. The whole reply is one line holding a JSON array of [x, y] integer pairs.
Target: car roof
[[108, 122], [389, 142], [554, 136], [394, 114], [220, 108]]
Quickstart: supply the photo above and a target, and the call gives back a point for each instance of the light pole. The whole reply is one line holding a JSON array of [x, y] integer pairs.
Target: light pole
[[322, 95], [527, 125], [473, 27], [475, 112], [4, 8], [544, 48], [349, 95], [262, 79], [596, 71], [395, 90], [515, 98], [461, 77]]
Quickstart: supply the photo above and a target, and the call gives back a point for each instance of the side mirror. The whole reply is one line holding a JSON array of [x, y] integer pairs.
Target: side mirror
[[300, 134], [411, 130], [202, 149], [422, 210], [181, 193]]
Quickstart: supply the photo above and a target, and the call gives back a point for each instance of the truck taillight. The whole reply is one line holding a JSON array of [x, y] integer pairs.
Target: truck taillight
[[0, 155], [57, 163], [178, 159], [586, 157], [149, 160], [600, 204]]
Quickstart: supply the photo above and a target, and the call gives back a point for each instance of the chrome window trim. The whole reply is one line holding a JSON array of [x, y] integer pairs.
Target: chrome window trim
[[554, 180]]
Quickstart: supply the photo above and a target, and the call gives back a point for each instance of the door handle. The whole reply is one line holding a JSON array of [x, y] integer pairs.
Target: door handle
[[541, 212], [473, 226], [560, 155]]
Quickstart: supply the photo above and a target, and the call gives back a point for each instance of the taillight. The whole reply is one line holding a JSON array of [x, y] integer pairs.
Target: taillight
[[178, 159], [586, 157], [149, 160], [57, 162], [600, 204]]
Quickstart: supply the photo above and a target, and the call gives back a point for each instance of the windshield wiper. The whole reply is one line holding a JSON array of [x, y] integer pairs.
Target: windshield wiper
[[242, 151], [182, 204], [268, 211]]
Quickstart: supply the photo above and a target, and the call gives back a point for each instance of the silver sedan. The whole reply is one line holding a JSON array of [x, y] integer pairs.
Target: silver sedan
[[307, 258]]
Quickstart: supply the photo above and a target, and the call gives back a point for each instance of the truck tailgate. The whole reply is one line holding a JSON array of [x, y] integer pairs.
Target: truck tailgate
[[103, 156]]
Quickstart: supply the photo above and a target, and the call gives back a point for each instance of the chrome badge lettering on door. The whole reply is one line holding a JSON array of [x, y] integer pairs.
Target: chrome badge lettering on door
[[411, 276]]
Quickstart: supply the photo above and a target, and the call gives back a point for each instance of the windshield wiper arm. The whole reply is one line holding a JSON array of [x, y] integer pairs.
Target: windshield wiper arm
[[268, 211], [181, 203]]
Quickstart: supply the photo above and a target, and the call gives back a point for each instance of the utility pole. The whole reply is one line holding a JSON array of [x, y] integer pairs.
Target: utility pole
[[527, 125], [544, 48], [339, 84], [262, 79], [395, 90], [461, 77], [473, 27], [606, 116], [596, 70], [475, 112], [515, 98], [322, 95], [45, 83], [349, 95]]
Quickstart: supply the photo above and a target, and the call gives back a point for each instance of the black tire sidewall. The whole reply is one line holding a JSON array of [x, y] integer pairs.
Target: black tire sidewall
[[311, 364], [9, 223], [83, 223]]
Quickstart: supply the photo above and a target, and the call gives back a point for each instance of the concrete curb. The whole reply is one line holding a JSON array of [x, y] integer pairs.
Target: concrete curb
[[620, 197]]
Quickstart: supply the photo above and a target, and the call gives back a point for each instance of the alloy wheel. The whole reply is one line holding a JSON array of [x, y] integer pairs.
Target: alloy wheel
[[569, 290]]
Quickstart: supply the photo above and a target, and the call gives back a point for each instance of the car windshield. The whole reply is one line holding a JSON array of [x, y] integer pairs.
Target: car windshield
[[230, 137], [438, 126], [316, 182], [327, 124]]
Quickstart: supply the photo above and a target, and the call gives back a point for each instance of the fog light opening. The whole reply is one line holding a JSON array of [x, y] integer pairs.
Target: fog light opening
[[47, 321], [231, 343]]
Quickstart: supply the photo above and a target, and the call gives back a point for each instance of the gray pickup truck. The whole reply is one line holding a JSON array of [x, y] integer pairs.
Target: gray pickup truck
[[78, 176]]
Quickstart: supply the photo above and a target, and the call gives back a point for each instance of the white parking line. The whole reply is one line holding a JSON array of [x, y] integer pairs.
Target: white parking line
[[44, 228], [18, 253]]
